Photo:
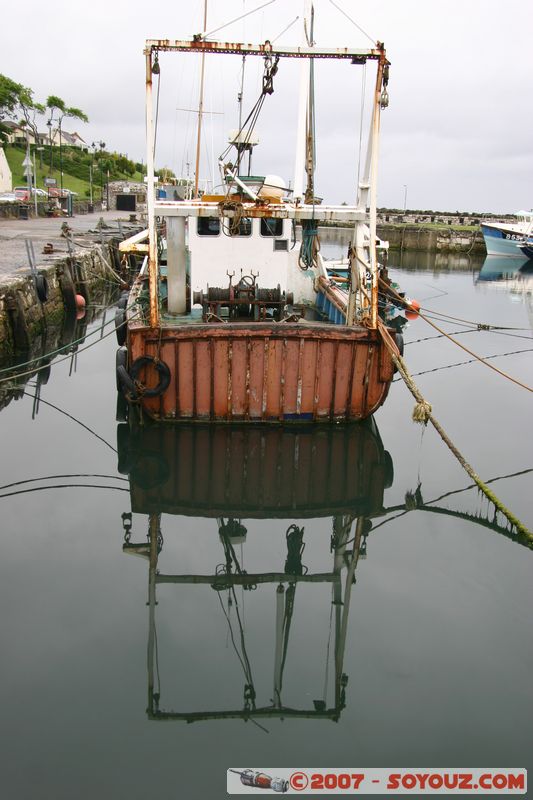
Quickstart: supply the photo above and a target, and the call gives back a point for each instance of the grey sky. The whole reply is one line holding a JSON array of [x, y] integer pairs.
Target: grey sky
[[458, 131]]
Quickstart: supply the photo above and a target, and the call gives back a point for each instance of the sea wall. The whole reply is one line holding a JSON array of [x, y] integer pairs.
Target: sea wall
[[27, 210], [435, 239], [29, 306]]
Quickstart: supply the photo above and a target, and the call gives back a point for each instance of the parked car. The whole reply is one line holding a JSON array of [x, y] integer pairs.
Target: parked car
[[22, 193], [55, 191]]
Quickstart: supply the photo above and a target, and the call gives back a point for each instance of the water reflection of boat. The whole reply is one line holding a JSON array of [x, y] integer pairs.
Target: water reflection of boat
[[497, 268], [511, 276], [205, 470], [232, 476]]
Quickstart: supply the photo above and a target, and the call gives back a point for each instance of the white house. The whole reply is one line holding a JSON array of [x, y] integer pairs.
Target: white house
[[68, 139], [6, 179]]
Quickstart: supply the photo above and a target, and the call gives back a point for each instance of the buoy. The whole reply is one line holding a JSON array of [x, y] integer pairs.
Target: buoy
[[412, 311]]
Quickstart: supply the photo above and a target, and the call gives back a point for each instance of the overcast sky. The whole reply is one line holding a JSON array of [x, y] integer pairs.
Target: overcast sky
[[458, 132]]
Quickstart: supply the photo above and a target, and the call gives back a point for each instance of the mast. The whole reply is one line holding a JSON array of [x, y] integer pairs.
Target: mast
[[364, 254], [150, 194], [200, 110], [305, 73]]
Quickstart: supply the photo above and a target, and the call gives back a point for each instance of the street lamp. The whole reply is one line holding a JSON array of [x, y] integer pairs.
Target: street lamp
[[49, 123], [101, 145]]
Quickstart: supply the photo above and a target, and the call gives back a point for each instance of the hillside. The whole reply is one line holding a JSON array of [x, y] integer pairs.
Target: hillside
[[76, 168]]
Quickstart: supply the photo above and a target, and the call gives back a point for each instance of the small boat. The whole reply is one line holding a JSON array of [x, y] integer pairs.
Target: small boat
[[230, 319], [502, 238]]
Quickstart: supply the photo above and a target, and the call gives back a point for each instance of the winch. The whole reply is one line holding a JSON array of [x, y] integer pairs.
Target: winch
[[242, 300]]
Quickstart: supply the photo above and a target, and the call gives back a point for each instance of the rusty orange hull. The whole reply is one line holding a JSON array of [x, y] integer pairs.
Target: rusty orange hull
[[263, 372]]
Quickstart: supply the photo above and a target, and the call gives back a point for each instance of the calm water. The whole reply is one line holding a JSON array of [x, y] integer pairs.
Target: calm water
[[438, 650]]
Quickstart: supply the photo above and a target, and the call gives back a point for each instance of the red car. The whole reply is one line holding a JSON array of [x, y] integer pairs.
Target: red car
[[22, 193]]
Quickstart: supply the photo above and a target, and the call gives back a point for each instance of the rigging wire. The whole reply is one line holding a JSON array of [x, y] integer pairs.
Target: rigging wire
[[275, 39], [156, 111], [362, 111], [237, 19], [374, 41]]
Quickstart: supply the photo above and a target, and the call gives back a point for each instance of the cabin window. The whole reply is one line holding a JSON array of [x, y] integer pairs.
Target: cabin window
[[281, 244], [245, 227], [208, 226], [271, 226]]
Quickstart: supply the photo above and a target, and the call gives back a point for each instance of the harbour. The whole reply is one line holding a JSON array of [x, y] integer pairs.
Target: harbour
[[438, 618]]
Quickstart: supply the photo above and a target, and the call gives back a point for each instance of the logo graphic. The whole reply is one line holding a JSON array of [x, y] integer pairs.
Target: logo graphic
[[260, 780]]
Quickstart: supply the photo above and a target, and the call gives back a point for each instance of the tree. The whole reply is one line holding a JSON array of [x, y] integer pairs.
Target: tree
[[55, 103], [30, 109], [9, 100]]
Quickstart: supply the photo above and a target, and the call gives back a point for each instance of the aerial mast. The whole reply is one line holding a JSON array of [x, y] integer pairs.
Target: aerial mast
[[200, 110]]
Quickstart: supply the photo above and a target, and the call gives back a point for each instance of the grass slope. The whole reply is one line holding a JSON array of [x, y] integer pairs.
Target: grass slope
[[75, 170]]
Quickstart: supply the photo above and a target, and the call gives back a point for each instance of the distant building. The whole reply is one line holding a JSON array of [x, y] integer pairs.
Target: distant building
[[127, 196], [20, 134], [6, 179]]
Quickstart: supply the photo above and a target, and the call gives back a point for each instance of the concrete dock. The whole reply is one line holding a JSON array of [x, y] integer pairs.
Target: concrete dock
[[41, 231]]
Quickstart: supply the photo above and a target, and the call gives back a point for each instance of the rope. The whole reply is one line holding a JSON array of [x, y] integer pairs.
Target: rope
[[74, 419], [476, 356], [470, 361], [400, 299], [422, 412]]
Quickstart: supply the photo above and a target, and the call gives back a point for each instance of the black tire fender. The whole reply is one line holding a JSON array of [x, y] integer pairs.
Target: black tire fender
[[123, 300], [398, 338], [41, 288], [120, 326], [121, 360], [162, 369], [127, 385]]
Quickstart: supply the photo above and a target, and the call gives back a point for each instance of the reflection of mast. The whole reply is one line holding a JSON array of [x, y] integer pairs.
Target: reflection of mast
[[154, 538], [294, 573]]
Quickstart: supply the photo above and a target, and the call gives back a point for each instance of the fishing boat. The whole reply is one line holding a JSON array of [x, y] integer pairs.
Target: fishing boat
[[229, 319], [502, 238]]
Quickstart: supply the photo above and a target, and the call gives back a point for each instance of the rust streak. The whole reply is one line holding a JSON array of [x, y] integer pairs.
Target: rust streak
[[282, 378], [265, 378], [230, 387], [299, 390], [317, 378]]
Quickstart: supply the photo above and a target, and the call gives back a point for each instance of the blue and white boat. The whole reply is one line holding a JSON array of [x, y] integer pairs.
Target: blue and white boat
[[502, 238]]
